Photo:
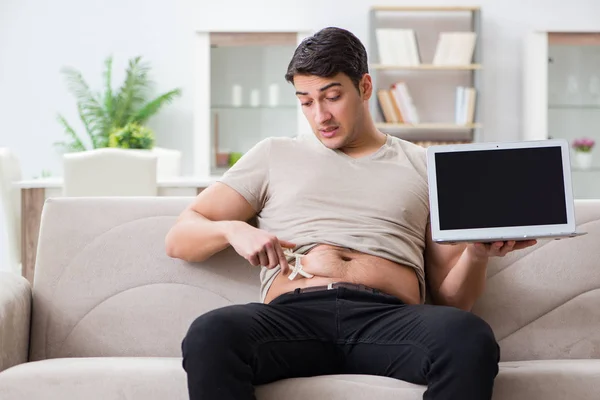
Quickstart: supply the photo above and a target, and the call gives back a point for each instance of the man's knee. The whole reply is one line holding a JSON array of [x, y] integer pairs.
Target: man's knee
[[216, 330], [469, 338]]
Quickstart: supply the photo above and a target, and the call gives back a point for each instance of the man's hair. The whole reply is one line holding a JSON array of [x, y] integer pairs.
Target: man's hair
[[327, 53]]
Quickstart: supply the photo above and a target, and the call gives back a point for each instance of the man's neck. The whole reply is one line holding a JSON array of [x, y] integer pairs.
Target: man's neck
[[369, 142]]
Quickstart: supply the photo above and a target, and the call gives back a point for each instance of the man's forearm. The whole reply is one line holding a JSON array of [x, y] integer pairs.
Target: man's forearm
[[194, 238], [465, 282]]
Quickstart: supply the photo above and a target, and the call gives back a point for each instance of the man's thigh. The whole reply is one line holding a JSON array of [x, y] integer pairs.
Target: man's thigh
[[291, 337], [392, 339], [304, 342]]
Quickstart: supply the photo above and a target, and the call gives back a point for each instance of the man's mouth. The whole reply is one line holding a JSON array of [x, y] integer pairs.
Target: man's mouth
[[329, 132]]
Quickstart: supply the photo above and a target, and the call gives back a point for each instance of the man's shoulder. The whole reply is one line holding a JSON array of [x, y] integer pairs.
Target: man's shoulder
[[409, 147], [414, 153]]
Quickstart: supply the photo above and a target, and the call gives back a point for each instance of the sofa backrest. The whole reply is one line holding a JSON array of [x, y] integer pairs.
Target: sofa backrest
[[105, 287], [543, 302]]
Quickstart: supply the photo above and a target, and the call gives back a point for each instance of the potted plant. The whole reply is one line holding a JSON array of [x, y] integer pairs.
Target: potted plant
[[121, 113], [583, 152], [132, 136]]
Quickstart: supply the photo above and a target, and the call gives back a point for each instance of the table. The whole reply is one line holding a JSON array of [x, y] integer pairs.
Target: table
[[34, 193]]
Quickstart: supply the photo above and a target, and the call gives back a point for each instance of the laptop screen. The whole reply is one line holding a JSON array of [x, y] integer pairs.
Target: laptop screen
[[500, 188]]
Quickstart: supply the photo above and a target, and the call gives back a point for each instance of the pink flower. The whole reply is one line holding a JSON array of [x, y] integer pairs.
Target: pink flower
[[583, 144]]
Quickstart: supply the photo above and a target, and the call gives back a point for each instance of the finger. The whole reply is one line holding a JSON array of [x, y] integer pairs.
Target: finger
[[262, 256], [495, 247], [524, 244], [282, 259], [286, 244], [507, 248], [482, 248], [272, 256], [254, 260]]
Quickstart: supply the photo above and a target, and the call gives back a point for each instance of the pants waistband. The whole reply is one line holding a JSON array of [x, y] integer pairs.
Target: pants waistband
[[335, 285]]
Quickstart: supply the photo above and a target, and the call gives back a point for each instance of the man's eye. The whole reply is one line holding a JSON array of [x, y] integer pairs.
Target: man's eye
[[333, 98], [306, 104]]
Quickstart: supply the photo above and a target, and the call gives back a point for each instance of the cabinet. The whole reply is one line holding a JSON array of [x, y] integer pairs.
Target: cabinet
[[433, 52], [241, 95], [562, 97]]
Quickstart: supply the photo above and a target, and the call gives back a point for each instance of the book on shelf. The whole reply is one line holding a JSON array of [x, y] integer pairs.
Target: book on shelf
[[397, 47], [384, 100], [455, 48], [465, 105], [396, 104]]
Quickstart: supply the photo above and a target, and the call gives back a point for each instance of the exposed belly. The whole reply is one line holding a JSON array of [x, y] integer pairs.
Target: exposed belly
[[389, 277]]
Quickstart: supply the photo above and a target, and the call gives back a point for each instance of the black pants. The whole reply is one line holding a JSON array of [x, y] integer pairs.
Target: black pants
[[228, 351]]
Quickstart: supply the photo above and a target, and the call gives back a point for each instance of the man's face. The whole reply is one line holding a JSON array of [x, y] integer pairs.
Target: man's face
[[334, 107]]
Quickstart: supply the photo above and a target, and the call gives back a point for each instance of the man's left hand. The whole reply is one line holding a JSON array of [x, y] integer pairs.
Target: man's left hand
[[498, 249]]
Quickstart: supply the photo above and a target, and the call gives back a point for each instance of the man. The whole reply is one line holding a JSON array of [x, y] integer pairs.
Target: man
[[355, 204]]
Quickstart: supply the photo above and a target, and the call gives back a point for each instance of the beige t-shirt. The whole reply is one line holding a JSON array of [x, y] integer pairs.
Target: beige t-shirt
[[308, 194]]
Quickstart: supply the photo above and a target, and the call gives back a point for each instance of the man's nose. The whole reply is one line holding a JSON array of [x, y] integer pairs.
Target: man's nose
[[322, 114]]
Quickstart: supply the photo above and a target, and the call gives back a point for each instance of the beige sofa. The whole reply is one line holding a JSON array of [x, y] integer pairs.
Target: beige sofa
[[108, 310]]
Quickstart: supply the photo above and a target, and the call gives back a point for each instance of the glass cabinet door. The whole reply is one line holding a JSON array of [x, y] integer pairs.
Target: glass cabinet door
[[574, 104], [249, 97]]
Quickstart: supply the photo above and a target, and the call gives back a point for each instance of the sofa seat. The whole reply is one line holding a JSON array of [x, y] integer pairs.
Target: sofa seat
[[134, 378]]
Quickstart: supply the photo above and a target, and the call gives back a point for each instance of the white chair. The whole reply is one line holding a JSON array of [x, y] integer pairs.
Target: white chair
[[169, 162], [10, 198], [109, 172]]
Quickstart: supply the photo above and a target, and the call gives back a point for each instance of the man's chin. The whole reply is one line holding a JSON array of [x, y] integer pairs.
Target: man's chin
[[332, 143]]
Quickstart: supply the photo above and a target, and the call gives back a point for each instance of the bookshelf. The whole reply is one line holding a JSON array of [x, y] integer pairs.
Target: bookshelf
[[426, 67], [420, 57]]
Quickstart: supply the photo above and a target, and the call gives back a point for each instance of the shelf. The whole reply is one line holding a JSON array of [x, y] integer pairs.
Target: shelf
[[427, 67], [427, 126], [423, 8], [247, 107], [592, 169], [574, 107], [237, 39]]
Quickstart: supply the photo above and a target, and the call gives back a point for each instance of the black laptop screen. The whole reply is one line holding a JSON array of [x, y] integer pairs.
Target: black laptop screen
[[500, 188]]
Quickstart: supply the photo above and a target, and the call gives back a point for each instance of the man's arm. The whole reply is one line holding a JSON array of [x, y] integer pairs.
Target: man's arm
[[218, 218], [457, 273], [203, 227]]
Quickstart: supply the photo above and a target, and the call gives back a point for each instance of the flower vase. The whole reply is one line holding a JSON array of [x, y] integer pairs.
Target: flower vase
[[583, 159]]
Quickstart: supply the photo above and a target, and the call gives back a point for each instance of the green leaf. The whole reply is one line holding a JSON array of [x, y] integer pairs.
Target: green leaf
[[75, 144], [91, 109], [108, 94], [133, 91], [132, 136], [152, 107]]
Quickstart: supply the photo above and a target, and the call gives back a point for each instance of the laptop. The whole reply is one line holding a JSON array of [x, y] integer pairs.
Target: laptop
[[486, 192]]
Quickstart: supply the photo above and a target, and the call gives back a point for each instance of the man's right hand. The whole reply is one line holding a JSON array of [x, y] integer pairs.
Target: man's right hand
[[257, 246]]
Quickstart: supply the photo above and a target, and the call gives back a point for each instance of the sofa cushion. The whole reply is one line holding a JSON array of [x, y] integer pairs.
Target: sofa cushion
[[548, 380], [163, 378]]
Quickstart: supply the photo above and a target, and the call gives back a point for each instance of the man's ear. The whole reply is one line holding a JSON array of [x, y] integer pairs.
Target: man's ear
[[366, 86]]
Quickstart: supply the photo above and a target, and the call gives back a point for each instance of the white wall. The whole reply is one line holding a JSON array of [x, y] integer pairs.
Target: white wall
[[37, 38]]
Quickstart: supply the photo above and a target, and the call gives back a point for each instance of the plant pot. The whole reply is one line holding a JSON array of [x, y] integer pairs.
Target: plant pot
[[223, 159], [583, 160]]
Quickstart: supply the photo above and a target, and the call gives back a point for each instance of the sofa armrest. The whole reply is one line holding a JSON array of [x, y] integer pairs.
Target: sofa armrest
[[15, 317]]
